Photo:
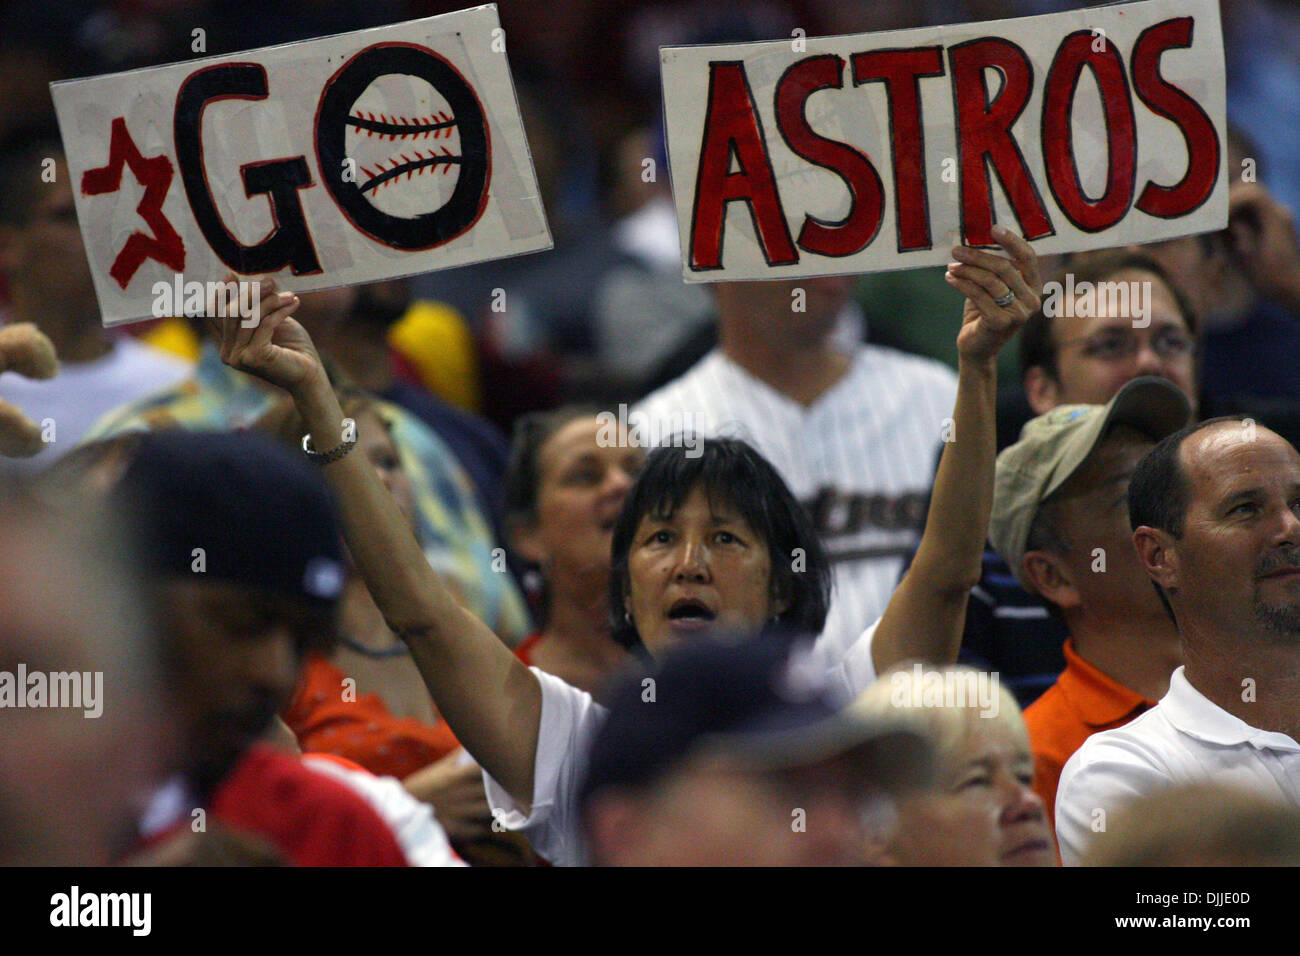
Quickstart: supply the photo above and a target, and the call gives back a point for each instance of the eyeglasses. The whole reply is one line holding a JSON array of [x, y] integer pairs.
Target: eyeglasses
[[1115, 345]]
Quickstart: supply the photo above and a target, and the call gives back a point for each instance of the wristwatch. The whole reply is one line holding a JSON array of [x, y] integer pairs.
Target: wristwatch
[[325, 457]]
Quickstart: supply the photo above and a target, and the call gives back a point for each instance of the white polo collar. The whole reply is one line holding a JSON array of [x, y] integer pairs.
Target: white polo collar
[[1195, 715]]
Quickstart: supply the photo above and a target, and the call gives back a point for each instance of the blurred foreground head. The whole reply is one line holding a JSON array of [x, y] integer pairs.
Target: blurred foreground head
[[84, 736], [737, 754], [243, 552], [1203, 824]]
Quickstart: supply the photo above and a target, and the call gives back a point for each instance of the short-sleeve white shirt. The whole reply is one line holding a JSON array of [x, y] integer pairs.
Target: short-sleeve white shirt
[[1184, 739], [569, 721]]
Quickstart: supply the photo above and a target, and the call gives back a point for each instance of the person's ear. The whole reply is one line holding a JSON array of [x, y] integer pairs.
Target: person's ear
[[1042, 390], [1158, 556], [627, 603], [1049, 576]]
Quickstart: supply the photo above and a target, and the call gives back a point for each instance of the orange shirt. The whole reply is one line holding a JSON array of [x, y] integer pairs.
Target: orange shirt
[[362, 729], [1082, 702]]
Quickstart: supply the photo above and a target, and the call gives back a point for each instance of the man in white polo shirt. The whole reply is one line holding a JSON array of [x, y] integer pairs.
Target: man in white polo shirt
[[1216, 513]]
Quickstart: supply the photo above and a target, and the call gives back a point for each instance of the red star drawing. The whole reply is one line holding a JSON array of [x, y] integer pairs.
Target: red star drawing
[[155, 175]]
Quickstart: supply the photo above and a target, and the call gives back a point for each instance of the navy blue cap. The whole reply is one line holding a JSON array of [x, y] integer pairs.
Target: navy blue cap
[[261, 515], [763, 704]]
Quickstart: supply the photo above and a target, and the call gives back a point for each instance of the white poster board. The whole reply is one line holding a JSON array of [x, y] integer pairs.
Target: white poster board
[[346, 159], [849, 154]]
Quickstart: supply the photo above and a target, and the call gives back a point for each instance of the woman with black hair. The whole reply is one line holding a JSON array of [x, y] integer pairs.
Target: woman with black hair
[[714, 541], [707, 556]]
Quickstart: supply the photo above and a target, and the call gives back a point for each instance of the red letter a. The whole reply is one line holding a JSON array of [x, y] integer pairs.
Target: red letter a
[[732, 128]]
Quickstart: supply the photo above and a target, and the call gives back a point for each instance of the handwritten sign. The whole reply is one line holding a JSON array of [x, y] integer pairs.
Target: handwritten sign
[[1079, 130], [347, 159]]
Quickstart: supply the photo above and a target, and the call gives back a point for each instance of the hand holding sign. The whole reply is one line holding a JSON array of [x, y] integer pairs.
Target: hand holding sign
[[1000, 293], [277, 349]]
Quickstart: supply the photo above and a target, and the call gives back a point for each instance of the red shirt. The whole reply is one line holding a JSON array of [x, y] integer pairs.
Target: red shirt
[[312, 819], [1082, 702]]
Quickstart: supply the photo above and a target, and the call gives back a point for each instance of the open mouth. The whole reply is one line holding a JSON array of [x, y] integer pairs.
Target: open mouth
[[690, 612]]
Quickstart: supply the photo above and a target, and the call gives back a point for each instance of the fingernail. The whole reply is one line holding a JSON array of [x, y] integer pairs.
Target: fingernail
[[1001, 230], [286, 296]]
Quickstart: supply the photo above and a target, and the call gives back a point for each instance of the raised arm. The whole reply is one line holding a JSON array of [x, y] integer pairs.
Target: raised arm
[[927, 611], [489, 699]]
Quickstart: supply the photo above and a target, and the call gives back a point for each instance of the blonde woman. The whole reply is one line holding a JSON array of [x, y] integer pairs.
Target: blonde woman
[[983, 810]]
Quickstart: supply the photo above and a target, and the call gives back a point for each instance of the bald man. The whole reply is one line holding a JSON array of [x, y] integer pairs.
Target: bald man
[[1215, 510]]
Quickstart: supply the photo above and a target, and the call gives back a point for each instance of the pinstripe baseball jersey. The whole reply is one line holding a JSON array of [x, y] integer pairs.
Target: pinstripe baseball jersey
[[861, 458]]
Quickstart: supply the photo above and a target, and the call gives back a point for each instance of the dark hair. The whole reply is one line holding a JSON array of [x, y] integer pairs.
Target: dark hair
[[1158, 493], [21, 153], [728, 469], [1045, 530], [1038, 346], [523, 478]]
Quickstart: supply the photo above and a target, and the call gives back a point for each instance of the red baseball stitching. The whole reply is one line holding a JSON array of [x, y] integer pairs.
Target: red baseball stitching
[[379, 177], [384, 126]]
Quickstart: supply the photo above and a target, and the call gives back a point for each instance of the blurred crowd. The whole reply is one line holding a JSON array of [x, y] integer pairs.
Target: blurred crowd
[[923, 573]]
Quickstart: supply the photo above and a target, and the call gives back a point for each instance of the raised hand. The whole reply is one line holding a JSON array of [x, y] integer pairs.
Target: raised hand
[[985, 278], [275, 347]]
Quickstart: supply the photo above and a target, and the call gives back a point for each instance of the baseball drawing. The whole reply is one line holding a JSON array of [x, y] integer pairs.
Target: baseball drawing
[[403, 145]]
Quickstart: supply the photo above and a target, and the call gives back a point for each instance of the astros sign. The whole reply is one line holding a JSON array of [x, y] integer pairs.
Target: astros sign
[[1092, 128], [364, 156]]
